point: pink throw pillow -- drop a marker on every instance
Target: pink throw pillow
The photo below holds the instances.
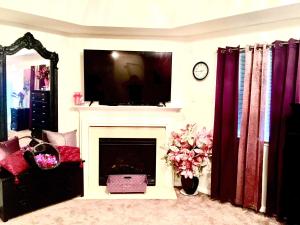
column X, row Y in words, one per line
column 60, row 139
column 15, row 163
column 9, row 147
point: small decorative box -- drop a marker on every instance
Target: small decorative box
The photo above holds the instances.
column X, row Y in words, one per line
column 127, row 183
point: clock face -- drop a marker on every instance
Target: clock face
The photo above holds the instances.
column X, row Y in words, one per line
column 200, row 70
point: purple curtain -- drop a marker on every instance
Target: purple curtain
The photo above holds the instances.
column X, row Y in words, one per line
column 285, row 90
column 224, row 157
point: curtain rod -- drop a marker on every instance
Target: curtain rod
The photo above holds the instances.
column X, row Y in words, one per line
column 259, row 46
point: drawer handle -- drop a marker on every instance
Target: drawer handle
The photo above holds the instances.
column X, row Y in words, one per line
column 22, row 188
column 24, row 203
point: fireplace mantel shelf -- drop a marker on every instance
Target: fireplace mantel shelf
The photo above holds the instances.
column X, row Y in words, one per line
column 127, row 108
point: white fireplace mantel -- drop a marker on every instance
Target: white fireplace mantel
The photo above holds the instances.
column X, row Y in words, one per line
column 126, row 121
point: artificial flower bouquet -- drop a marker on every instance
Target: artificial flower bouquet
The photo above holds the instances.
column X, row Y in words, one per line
column 43, row 155
column 189, row 150
column 46, row 161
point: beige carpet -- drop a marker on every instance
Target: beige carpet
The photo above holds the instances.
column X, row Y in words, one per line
column 185, row 210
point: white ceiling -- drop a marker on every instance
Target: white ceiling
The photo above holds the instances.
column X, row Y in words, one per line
column 174, row 18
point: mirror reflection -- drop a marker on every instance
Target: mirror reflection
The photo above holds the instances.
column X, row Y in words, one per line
column 28, row 77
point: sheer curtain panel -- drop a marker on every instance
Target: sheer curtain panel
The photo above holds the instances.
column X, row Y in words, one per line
column 251, row 144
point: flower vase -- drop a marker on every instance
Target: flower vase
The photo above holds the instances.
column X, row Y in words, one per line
column 189, row 185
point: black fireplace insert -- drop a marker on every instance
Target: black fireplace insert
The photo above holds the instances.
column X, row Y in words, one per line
column 127, row 156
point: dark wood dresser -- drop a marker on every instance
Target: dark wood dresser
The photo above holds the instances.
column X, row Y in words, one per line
column 19, row 119
column 40, row 106
column 39, row 188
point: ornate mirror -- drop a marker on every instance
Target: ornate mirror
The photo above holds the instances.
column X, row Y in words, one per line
column 39, row 82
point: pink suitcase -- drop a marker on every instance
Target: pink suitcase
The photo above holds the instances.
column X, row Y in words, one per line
column 127, row 183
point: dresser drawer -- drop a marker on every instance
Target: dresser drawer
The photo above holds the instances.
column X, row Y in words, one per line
column 37, row 123
column 41, row 96
column 14, row 112
column 14, row 117
column 22, row 191
column 14, row 125
column 24, row 205
column 40, row 106
column 40, row 114
column 24, row 196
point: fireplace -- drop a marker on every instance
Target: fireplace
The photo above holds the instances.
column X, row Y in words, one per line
column 127, row 156
column 132, row 122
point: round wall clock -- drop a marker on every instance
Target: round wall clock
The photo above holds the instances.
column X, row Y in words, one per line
column 200, row 70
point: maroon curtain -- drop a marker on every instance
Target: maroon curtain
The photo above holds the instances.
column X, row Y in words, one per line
column 285, row 71
column 224, row 155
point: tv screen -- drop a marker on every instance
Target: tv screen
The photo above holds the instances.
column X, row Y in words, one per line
column 114, row 77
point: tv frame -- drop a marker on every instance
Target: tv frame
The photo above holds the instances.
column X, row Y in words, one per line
column 151, row 101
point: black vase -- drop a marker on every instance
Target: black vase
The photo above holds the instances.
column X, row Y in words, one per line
column 189, row 185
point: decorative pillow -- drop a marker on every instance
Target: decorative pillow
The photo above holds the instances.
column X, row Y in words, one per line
column 8, row 147
column 69, row 154
column 66, row 139
column 15, row 163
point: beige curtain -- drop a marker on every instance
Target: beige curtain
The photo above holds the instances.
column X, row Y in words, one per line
column 250, row 152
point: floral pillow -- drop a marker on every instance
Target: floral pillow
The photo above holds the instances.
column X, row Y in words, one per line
column 8, row 147
column 60, row 139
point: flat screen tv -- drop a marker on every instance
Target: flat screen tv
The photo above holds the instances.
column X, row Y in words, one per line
column 114, row 77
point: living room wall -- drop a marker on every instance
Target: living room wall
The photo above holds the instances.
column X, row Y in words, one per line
column 195, row 97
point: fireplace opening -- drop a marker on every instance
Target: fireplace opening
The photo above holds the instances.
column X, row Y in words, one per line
column 127, row 156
